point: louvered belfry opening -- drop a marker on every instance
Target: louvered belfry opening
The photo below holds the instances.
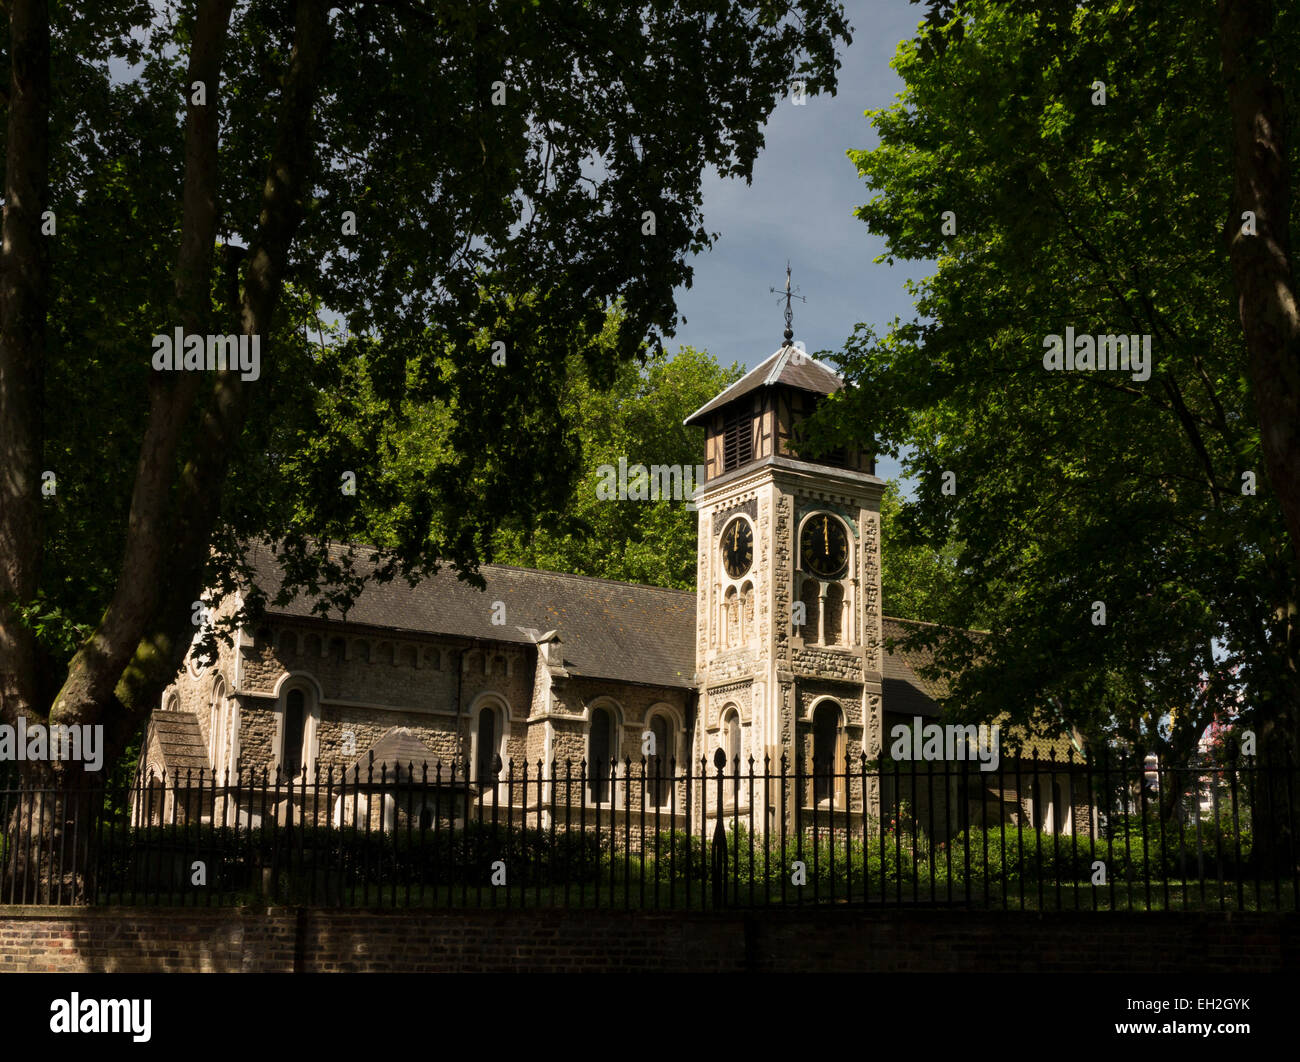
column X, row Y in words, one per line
column 737, row 439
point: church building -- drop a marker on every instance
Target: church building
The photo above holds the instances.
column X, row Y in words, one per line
column 613, row 690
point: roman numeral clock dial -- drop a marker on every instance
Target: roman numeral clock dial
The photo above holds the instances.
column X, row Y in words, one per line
column 737, row 548
column 824, row 547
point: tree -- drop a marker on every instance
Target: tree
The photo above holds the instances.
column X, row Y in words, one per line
column 1122, row 533
column 1253, row 38
column 465, row 187
column 917, row 576
column 637, row 420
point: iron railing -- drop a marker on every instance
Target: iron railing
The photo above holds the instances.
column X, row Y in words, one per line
column 1032, row 835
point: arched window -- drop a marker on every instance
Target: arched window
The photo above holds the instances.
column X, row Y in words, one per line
column 228, row 754
column 294, row 750
column 223, row 763
column 486, row 745
column 746, row 613
column 659, row 767
column 600, row 749
column 155, row 802
column 731, row 617
column 834, row 610
column 810, row 595
column 489, row 722
column 731, row 743
column 293, row 732
column 216, row 701
column 828, row 752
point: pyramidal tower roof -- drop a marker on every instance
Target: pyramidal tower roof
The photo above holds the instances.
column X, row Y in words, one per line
column 788, row 367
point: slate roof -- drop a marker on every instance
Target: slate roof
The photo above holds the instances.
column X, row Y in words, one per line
column 622, row 631
column 397, row 757
column 789, row 367
column 179, row 741
column 902, row 688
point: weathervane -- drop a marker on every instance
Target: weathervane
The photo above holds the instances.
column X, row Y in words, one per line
column 789, row 310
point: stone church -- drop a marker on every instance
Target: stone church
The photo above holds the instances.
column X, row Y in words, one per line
column 780, row 652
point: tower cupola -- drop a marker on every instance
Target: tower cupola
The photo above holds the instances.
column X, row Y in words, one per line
column 758, row 416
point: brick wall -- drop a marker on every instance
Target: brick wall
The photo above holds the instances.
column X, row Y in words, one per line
column 287, row 939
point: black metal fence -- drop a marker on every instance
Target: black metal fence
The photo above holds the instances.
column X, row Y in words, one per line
column 1031, row 835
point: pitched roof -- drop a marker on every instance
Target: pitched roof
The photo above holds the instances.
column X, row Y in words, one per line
column 179, row 741
column 624, row 632
column 396, row 757
column 789, row 367
column 610, row 630
column 903, row 689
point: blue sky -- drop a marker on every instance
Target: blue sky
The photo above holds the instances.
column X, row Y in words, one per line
column 800, row 207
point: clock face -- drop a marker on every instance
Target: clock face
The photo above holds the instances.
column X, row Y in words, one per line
column 737, row 547
column 824, row 546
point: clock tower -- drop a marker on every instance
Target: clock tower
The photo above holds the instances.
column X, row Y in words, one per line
column 788, row 622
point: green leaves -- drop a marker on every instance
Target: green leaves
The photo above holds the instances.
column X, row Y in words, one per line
column 477, row 183
column 56, row 632
column 637, row 418
column 1072, row 487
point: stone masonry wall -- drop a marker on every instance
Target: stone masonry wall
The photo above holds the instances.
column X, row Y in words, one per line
column 371, row 684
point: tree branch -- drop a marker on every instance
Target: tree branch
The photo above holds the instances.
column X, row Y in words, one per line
column 158, row 654
column 96, row 667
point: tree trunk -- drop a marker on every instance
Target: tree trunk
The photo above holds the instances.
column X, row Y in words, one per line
column 145, row 571
column 1266, row 301
column 1261, row 263
column 50, row 823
